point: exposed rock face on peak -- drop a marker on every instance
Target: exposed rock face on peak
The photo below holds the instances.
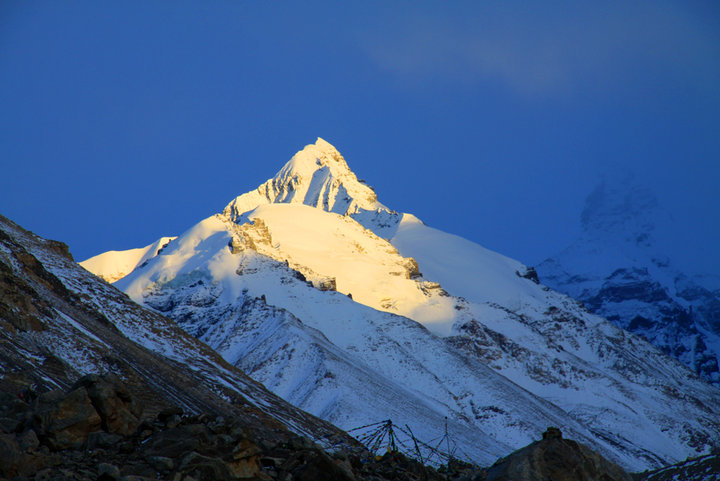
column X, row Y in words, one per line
column 318, row 176
column 620, row 271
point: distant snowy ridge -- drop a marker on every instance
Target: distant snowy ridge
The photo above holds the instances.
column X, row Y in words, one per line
column 357, row 313
column 620, row 270
column 114, row 265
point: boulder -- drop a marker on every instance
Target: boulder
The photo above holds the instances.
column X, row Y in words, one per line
column 11, row 457
column 557, row 459
column 64, row 420
column 118, row 411
column 204, row 468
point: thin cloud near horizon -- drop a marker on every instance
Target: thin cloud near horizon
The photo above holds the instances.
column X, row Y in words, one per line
column 543, row 51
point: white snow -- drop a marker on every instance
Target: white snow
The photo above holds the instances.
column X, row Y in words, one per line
column 114, row 265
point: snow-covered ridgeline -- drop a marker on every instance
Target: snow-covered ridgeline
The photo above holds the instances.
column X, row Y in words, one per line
column 114, row 265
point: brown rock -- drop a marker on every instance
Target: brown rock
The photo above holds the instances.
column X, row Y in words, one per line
column 11, row 458
column 8, row 425
column 108, row 472
column 161, row 464
column 556, row 459
column 174, row 442
column 204, row 468
column 28, row 441
column 117, row 409
column 64, row 421
column 552, row 433
column 101, row 440
column 245, row 461
column 321, row 467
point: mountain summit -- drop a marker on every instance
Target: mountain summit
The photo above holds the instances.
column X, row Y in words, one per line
column 621, row 210
column 357, row 314
column 318, row 176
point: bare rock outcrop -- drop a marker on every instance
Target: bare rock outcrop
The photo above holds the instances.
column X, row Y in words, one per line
column 558, row 459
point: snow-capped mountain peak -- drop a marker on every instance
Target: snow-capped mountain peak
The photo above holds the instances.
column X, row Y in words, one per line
column 621, row 209
column 621, row 270
column 317, row 176
column 394, row 319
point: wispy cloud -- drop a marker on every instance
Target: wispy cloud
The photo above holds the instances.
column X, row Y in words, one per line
column 546, row 48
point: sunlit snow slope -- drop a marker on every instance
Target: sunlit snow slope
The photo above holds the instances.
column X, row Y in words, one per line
column 114, row 265
column 357, row 313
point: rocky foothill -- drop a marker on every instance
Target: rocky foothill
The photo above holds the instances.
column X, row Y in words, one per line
column 96, row 431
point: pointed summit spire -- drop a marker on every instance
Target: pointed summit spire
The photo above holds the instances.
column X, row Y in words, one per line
column 317, row 176
column 623, row 209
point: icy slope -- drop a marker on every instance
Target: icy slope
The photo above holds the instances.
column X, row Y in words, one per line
column 619, row 385
column 619, row 270
column 271, row 264
column 340, row 360
column 114, row 265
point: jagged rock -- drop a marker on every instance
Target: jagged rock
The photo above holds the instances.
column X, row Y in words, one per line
column 703, row 468
column 555, row 459
column 117, row 409
column 161, row 463
column 412, row 268
column 241, row 241
column 108, row 472
column 326, row 284
column 59, row 248
column 9, row 425
column 170, row 417
column 204, row 468
column 174, row 442
column 530, row 273
column 321, row 467
column 64, row 420
column 28, row 441
column 11, row 457
column 552, row 433
column 102, row 440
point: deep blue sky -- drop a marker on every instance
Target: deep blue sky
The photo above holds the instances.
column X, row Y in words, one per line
column 121, row 122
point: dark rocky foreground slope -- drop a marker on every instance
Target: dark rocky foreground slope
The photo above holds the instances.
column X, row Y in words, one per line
column 95, row 431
